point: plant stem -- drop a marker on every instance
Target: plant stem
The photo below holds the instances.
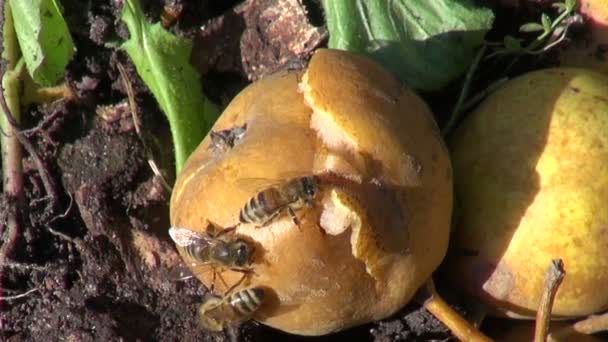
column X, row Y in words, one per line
column 464, row 93
column 12, row 175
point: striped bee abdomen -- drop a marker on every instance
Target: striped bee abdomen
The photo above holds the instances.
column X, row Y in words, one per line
column 262, row 207
column 247, row 301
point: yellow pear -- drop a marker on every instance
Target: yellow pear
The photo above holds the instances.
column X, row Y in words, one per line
column 531, row 177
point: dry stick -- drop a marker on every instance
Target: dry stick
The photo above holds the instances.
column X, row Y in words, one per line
column 460, row 327
column 131, row 98
column 553, row 278
column 137, row 124
column 588, row 326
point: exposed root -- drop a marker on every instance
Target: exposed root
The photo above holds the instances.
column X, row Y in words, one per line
column 61, row 235
column 25, row 294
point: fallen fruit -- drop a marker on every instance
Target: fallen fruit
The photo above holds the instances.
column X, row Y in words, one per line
column 379, row 224
column 531, row 176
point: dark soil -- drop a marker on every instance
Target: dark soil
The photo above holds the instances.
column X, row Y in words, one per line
column 95, row 261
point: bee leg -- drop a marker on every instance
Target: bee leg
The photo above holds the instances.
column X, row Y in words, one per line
column 226, row 231
column 213, row 228
column 223, row 281
column 212, row 289
column 235, row 285
column 294, row 217
column 269, row 219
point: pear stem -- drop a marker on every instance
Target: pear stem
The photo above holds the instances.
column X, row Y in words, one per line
column 553, row 278
column 460, row 327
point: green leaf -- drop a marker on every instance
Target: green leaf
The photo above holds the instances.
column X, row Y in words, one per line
column 44, row 38
column 163, row 62
column 546, row 20
column 426, row 44
column 512, row 44
column 570, row 5
column 561, row 7
column 531, row 27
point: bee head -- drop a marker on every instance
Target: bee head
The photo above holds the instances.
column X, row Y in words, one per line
column 242, row 253
column 310, row 186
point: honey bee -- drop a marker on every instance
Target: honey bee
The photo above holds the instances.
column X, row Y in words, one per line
column 216, row 249
column 289, row 196
column 217, row 313
column 226, row 139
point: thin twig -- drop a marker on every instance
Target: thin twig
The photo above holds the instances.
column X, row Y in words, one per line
column 464, row 92
column 131, row 98
column 27, row 293
column 553, row 278
column 158, row 174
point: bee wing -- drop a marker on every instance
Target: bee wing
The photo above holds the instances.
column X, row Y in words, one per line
column 184, row 237
column 253, row 184
column 180, row 272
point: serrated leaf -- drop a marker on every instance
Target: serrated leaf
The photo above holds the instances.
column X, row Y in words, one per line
column 44, row 39
column 531, row 27
column 546, row 21
column 163, row 61
column 512, row 44
column 426, row 44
